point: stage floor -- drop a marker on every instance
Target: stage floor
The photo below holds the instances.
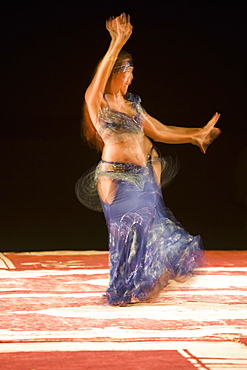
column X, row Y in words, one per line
column 51, row 317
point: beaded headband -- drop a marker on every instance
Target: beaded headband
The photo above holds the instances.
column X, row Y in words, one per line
column 123, row 67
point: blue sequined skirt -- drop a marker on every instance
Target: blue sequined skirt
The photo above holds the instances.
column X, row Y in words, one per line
column 148, row 247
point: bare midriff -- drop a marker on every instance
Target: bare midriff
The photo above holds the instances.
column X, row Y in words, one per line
column 132, row 151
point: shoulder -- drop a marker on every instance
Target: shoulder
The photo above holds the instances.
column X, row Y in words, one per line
column 136, row 102
column 133, row 98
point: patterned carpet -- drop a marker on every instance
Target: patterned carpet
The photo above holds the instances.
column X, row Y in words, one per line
column 51, row 318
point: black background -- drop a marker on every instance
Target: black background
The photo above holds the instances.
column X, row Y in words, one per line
column 190, row 61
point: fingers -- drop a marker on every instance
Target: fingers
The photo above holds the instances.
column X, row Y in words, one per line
column 124, row 18
column 209, row 133
column 121, row 19
column 216, row 116
column 213, row 120
column 120, row 26
column 109, row 22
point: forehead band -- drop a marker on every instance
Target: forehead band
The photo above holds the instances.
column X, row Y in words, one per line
column 123, row 67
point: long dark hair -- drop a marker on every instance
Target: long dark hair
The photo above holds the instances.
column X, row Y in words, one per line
column 88, row 130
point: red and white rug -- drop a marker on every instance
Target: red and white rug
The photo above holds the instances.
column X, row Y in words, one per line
column 51, row 319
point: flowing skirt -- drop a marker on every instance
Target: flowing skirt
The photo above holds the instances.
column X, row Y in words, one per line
column 148, row 247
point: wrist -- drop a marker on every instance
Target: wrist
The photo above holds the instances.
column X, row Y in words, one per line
column 117, row 43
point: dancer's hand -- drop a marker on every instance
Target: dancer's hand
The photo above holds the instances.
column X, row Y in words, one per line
column 208, row 133
column 119, row 28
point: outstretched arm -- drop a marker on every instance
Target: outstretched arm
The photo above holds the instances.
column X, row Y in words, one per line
column 120, row 30
column 202, row 137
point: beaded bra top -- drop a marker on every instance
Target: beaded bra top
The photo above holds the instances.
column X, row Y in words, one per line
column 118, row 126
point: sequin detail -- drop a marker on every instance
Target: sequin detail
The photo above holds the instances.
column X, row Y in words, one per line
column 115, row 126
column 86, row 187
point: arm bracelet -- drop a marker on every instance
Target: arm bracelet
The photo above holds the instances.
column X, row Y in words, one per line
column 112, row 57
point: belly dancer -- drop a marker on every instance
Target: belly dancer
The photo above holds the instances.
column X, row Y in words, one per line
column 148, row 247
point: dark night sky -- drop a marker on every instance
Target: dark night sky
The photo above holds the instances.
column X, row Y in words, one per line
column 190, row 61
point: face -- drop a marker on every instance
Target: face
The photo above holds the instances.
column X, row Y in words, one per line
column 121, row 80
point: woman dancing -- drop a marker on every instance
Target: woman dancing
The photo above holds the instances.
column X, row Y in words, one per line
column 147, row 245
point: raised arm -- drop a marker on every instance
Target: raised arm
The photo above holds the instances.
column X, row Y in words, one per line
column 201, row 137
column 120, row 30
